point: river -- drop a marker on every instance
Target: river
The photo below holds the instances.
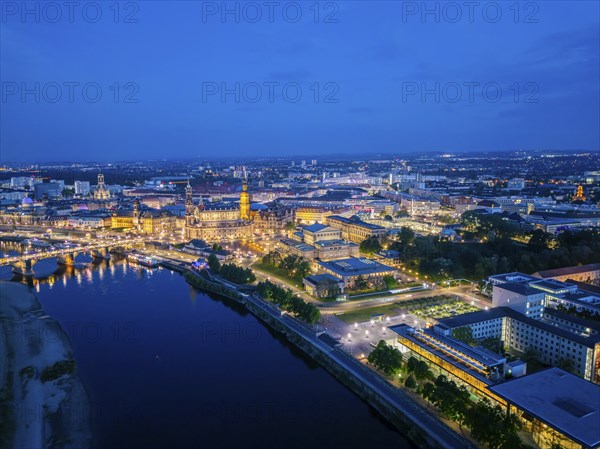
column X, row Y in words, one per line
column 170, row 367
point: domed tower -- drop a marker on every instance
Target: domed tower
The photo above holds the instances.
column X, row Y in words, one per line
column 245, row 202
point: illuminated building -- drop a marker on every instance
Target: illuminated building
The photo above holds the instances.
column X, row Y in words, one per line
column 217, row 221
column 554, row 337
column 476, row 367
column 147, row 221
column 558, row 408
column 582, row 273
column 272, row 218
column 101, row 192
column 323, row 285
column 318, row 241
column 579, row 194
column 311, row 215
column 351, row 269
column 353, row 229
column 245, row 202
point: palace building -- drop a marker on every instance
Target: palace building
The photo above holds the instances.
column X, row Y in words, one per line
column 148, row 221
column 218, row 221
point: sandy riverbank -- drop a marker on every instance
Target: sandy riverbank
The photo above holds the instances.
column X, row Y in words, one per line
column 42, row 401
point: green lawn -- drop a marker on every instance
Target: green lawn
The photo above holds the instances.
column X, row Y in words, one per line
column 278, row 273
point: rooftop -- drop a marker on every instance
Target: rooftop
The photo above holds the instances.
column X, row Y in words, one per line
column 501, row 312
column 567, row 271
column 519, row 288
column 515, row 276
column 353, row 220
column 478, row 361
column 559, row 399
column 321, row 279
column 315, row 227
column 354, row 266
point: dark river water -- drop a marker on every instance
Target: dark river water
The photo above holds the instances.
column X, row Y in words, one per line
column 169, row 367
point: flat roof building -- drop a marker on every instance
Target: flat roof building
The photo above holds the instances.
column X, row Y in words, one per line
column 348, row 270
column 556, row 406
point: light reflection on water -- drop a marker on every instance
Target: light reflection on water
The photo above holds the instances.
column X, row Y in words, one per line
column 168, row 366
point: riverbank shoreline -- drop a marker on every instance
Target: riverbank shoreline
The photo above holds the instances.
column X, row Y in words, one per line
column 44, row 404
column 409, row 426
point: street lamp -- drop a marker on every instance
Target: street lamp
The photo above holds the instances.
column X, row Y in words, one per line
column 355, row 325
column 367, row 333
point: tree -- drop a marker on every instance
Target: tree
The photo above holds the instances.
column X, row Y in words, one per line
column 538, row 241
column 213, row 263
column 410, row 382
column 422, row 371
column 272, row 258
column 402, row 213
column 360, row 283
column 290, row 226
column 490, row 425
column 419, row 368
column 386, row 358
column 390, row 282
column 68, row 193
column 406, row 235
column 370, row 245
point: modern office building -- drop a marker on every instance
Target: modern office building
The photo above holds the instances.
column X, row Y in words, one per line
column 530, row 295
column 82, row 188
column 555, row 337
column 558, row 408
column 476, row 367
column 47, row 189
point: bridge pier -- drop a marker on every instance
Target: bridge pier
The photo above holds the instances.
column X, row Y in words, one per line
column 66, row 259
column 23, row 267
column 101, row 253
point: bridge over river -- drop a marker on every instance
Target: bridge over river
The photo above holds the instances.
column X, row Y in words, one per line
column 65, row 255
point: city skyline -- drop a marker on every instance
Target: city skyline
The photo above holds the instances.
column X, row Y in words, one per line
column 374, row 78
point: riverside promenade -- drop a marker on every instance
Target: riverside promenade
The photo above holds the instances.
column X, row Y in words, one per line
column 407, row 415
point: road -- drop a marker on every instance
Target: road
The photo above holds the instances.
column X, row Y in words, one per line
column 437, row 430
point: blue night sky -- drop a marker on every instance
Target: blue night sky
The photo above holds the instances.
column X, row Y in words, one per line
column 374, row 61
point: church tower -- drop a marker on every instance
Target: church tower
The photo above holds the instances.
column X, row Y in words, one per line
column 245, row 202
column 189, row 204
column 136, row 213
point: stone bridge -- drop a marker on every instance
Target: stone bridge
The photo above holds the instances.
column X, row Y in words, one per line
column 23, row 263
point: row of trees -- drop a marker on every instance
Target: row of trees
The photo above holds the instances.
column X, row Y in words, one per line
column 230, row 271
column 289, row 302
column 488, row 423
column 441, row 259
